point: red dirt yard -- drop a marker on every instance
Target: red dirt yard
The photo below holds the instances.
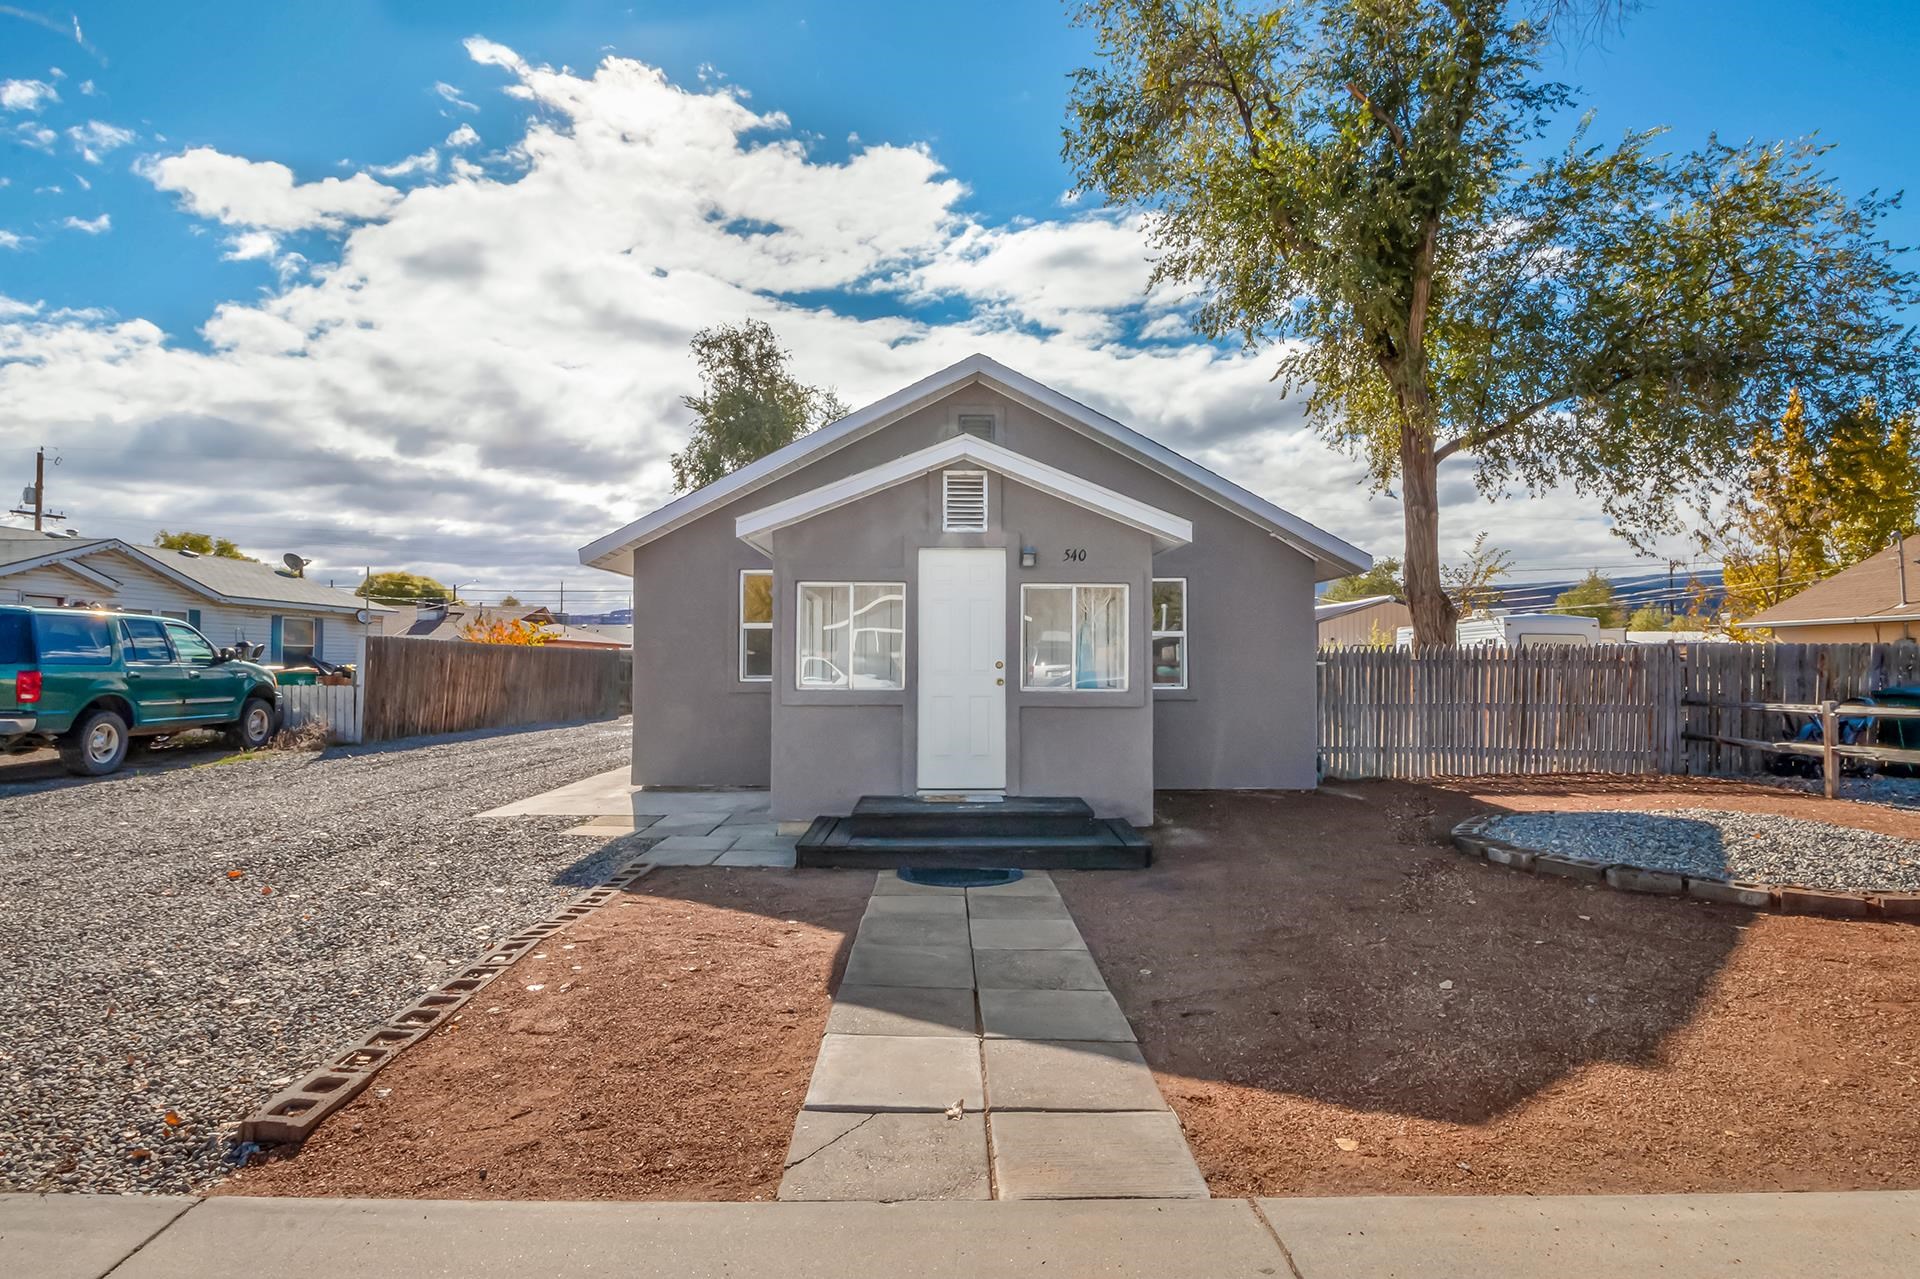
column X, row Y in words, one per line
column 1336, row 1002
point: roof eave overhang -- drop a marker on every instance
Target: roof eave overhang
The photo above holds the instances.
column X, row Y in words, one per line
column 1167, row 530
column 1878, row 619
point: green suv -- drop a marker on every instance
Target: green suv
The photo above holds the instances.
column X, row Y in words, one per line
column 96, row 684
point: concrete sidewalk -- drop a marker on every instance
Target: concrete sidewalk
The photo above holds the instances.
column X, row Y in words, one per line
column 1858, row 1236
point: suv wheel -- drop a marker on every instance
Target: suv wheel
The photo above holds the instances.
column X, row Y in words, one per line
column 96, row 746
column 255, row 726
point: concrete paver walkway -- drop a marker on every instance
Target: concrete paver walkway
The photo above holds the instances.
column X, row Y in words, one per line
column 1806, row 1236
column 696, row 827
column 974, row 1052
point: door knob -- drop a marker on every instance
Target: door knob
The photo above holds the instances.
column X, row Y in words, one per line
column 999, row 666
column 999, row 681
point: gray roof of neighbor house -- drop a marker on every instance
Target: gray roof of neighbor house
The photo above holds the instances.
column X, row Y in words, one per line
column 1335, row 557
column 1326, row 612
column 1867, row 592
column 228, row 580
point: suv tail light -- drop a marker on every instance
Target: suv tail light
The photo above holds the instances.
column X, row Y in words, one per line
column 26, row 686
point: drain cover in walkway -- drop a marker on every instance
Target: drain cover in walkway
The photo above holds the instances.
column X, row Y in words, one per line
column 945, row 877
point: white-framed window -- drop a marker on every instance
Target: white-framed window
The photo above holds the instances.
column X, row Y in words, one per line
column 298, row 640
column 1169, row 624
column 850, row 635
column 756, row 625
column 963, row 501
column 1074, row 638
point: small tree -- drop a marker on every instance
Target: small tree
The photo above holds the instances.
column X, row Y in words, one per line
column 749, row 404
column 510, row 601
column 1592, row 596
column 1470, row 583
column 1362, row 183
column 1649, row 617
column 506, row 630
column 404, row 587
column 200, row 544
column 1382, row 579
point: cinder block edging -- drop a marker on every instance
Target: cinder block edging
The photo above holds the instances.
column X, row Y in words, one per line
column 290, row 1116
column 1471, row 838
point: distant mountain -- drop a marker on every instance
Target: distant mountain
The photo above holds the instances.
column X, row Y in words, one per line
column 618, row 617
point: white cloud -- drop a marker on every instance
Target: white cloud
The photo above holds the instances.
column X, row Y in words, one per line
column 26, row 95
column 464, row 136
column 261, row 193
column 427, row 161
column 9, row 240
column 91, row 226
column 87, row 88
column 95, row 138
column 37, row 136
column 517, row 341
column 451, row 96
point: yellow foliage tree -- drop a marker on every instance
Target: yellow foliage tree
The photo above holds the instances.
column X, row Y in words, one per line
column 509, row 630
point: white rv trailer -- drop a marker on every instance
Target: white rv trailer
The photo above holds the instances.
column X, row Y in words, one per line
column 1518, row 630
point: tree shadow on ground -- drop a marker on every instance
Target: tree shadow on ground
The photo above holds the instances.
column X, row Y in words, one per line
column 1330, row 945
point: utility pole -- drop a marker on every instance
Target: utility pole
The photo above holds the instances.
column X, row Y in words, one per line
column 39, row 512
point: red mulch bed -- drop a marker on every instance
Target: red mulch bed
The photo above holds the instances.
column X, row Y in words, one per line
column 664, row 1057
column 1335, row 1002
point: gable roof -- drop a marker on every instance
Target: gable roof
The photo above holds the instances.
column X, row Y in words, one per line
column 1339, row 608
column 756, row 528
column 227, row 581
column 1867, row 592
column 1335, row 557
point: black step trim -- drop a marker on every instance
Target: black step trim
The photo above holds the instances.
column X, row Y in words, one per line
column 1110, row 844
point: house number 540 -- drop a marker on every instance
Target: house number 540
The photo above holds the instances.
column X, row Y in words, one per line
column 1075, row 553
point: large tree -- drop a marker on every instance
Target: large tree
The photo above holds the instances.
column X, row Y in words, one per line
column 1382, row 579
column 1366, row 182
column 749, row 403
column 409, row 587
column 200, row 544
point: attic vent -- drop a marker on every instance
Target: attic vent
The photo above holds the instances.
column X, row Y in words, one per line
column 980, row 424
column 964, row 501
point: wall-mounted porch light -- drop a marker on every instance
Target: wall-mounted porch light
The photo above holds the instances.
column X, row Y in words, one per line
column 1028, row 557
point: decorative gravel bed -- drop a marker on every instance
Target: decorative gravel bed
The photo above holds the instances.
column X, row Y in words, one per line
column 1895, row 792
column 1718, row 844
column 180, row 943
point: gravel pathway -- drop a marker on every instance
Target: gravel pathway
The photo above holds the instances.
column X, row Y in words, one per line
column 1713, row 843
column 180, row 943
column 1895, row 792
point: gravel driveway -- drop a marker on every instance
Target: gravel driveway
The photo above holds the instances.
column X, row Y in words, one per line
column 153, row 997
column 1762, row 848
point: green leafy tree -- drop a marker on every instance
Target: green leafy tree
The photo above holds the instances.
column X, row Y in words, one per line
column 749, row 404
column 1382, row 579
column 1591, row 597
column 510, row 601
column 404, row 587
column 1362, row 182
column 1649, row 617
column 200, row 544
column 1470, row 584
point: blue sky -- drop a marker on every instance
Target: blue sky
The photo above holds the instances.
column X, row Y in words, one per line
column 341, row 91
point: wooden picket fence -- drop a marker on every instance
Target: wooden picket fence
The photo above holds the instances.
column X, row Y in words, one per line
column 1611, row 708
column 416, row 687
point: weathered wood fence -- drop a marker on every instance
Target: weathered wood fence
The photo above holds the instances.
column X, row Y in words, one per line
column 337, row 704
column 1611, row 708
column 422, row 686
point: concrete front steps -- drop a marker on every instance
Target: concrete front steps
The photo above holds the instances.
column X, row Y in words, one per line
column 1028, row 832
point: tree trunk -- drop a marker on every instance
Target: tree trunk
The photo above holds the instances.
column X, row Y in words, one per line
column 1433, row 614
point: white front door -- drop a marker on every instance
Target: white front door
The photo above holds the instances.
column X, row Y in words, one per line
column 963, row 669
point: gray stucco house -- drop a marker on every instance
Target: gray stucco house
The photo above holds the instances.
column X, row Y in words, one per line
column 973, row 585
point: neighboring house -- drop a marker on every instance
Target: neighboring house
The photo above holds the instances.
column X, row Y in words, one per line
column 452, row 622
column 1875, row 601
column 1362, row 622
column 975, row 584
column 229, row 601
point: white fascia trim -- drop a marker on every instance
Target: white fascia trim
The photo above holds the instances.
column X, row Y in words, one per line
column 756, row 528
column 1334, row 557
column 67, row 561
column 1878, row 619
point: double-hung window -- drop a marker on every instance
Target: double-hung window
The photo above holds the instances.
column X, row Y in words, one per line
column 756, row 625
column 1169, row 632
column 851, row 635
column 299, row 640
column 1073, row 638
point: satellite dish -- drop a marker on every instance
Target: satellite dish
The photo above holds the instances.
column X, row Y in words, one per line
column 295, row 563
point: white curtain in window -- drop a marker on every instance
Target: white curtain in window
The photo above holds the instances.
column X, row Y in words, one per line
column 1100, row 637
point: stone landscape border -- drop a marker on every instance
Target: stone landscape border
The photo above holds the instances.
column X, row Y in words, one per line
column 1472, row 837
column 289, row 1117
